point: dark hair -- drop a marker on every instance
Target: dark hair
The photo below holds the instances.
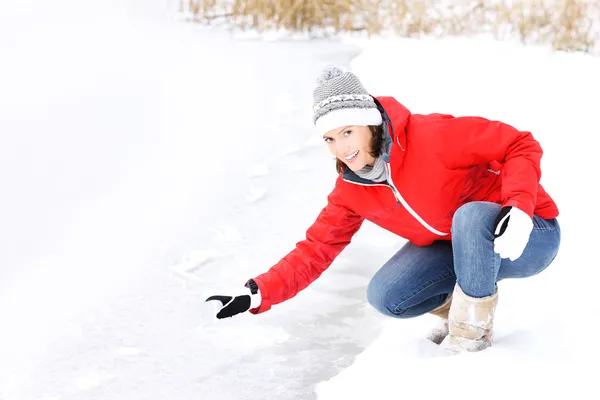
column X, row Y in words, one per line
column 376, row 144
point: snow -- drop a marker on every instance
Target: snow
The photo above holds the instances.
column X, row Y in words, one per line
column 147, row 163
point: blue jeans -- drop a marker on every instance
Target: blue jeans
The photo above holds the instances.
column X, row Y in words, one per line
column 417, row 280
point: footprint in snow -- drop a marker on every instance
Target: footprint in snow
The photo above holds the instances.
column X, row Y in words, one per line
column 195, row 260
column 228, row 234
column 255, row 194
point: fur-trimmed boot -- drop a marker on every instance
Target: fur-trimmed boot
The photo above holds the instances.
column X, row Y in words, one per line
column 439, row 333
column 470, row 322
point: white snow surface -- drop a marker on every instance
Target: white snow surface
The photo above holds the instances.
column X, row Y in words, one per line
column 147, row 163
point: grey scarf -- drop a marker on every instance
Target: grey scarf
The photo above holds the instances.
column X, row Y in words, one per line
column 375, row 173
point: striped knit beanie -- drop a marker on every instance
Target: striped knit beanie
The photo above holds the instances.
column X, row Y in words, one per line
column 340, row 100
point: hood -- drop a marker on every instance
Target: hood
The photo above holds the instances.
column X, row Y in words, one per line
column 395, row 118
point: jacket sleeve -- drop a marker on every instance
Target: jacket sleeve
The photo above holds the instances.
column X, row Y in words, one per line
column 325, row 239
column 468, row 141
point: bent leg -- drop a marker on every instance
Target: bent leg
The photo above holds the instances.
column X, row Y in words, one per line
column 478, row 267
column 415, row 281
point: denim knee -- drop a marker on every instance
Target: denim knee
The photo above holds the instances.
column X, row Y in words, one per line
column 384, row 300
column 380, row 298
column 375, row 297
column 471, row 217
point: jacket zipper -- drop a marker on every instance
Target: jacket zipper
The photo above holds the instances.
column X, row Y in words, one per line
column 412, row 212
column 401, row 202
column 393, row 189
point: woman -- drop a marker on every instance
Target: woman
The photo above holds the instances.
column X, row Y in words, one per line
column 464, row 192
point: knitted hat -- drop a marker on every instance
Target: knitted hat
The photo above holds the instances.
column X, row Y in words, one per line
column 340, row 99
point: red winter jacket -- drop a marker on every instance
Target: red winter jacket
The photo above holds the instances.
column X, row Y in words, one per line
column 437, row 163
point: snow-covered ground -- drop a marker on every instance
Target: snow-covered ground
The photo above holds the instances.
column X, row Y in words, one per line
column 147, row 163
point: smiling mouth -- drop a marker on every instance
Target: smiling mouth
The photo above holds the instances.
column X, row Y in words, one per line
column 351, row 156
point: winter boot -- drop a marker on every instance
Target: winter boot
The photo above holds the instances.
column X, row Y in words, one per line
column 470, row 322
column 439, row 333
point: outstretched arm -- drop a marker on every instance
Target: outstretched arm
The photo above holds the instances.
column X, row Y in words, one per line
column 331, row 232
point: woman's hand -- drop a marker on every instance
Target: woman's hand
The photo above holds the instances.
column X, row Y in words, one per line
column 229, row 306
column 512, row 230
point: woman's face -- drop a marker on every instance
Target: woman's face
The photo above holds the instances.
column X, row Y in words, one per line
column 352, row 145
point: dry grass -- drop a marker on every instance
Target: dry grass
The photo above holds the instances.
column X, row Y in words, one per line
column 572, row 25
column 292, row 15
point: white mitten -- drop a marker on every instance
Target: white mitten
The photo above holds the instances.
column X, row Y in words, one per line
column 512, row 230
